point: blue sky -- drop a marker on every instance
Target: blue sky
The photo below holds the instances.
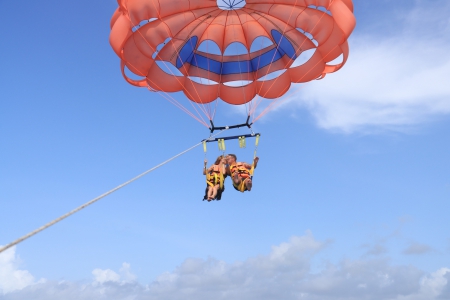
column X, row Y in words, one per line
column 350, row 197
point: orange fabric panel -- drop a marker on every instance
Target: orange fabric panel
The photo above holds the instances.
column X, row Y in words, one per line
column 273, row 67
column 215, row 33
column 120, row 32
column 244, row 16
column 312, row 69
column 197, row 72
column 330, row 49
column 252, row 30
column 299, row 41
column 136, row 62
column 198, row 4
column 324, row 3
column 213, row 11
column 161, row 81
column 237, row 95
column 177, row 22
column 233, row 34
column 286, row 13
column 343, row 16
column 196, row 27
column 138, row 83
column 318, row 23
column 290, row 2
column 259, row 7
column 139, row 10
column 345, row 50
column 269, row 22
column 171, row 7
column 114, row 18
column 237, row 77
column 274, row 88
column 170, row 51
column 148, row 37
column 349, row 4
column 200, row 93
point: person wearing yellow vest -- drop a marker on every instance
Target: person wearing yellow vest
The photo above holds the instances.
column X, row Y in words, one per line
column 241, row 173
column 215, row 176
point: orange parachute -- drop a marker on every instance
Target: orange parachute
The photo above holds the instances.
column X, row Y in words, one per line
column 233, row 50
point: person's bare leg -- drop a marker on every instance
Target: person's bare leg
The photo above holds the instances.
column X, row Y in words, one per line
column 214, row 193
column 248, row 184
column 210, row 192
column 236, row 179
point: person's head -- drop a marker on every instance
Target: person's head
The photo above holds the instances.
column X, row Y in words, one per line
column 231, row 158
column 218, row 160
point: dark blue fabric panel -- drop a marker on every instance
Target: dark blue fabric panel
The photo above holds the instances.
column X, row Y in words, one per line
column 186, row 53
column 236, row 67
column 284, row 45
column 265, row 59
column 205, row 63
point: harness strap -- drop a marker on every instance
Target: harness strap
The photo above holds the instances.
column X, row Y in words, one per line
column 212, row 178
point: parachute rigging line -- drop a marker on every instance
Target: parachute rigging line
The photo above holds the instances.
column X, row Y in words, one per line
column 165, row 64
column 19, row 240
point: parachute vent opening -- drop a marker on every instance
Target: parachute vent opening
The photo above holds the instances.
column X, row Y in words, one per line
column 337, row 61
column 204, row 81
column 309, row 36
column 238, row 83
column 303, row 58
column 231, row 4
column 210, row 47
column 160, row 46
column 235, row 48
column 168, row 68
column 321, row 8
column 260, row 43
column 272, row 75
column 143, row 23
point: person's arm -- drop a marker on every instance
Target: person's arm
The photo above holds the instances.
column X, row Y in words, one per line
column 227, row 170
column 204, row 167
column 255, row 162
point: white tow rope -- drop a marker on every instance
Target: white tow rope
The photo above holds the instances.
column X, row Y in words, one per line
column 95, row 199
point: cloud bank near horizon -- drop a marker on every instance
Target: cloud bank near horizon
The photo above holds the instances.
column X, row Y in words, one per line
column 285, row 273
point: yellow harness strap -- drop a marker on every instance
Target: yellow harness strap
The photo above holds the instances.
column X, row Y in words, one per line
column 254, row 154
column 240, row 187
column 216, row 178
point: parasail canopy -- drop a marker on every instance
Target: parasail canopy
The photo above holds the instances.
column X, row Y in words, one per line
column 233, row 50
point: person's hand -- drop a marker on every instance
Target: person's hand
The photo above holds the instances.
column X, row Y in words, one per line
column 205, row 161
column 256, row 160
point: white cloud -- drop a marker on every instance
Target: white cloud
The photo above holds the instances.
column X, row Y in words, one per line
column 109, row 276
column 389, row 82
column 11, row 277
column 102, row 276
column 284, row 273
column 417, row 248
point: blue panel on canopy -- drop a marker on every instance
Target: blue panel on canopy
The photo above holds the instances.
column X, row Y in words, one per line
column 284, row 47
column 187, row 51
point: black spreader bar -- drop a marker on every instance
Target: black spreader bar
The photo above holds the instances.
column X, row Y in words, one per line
column 246, row 124
column 235, row 137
